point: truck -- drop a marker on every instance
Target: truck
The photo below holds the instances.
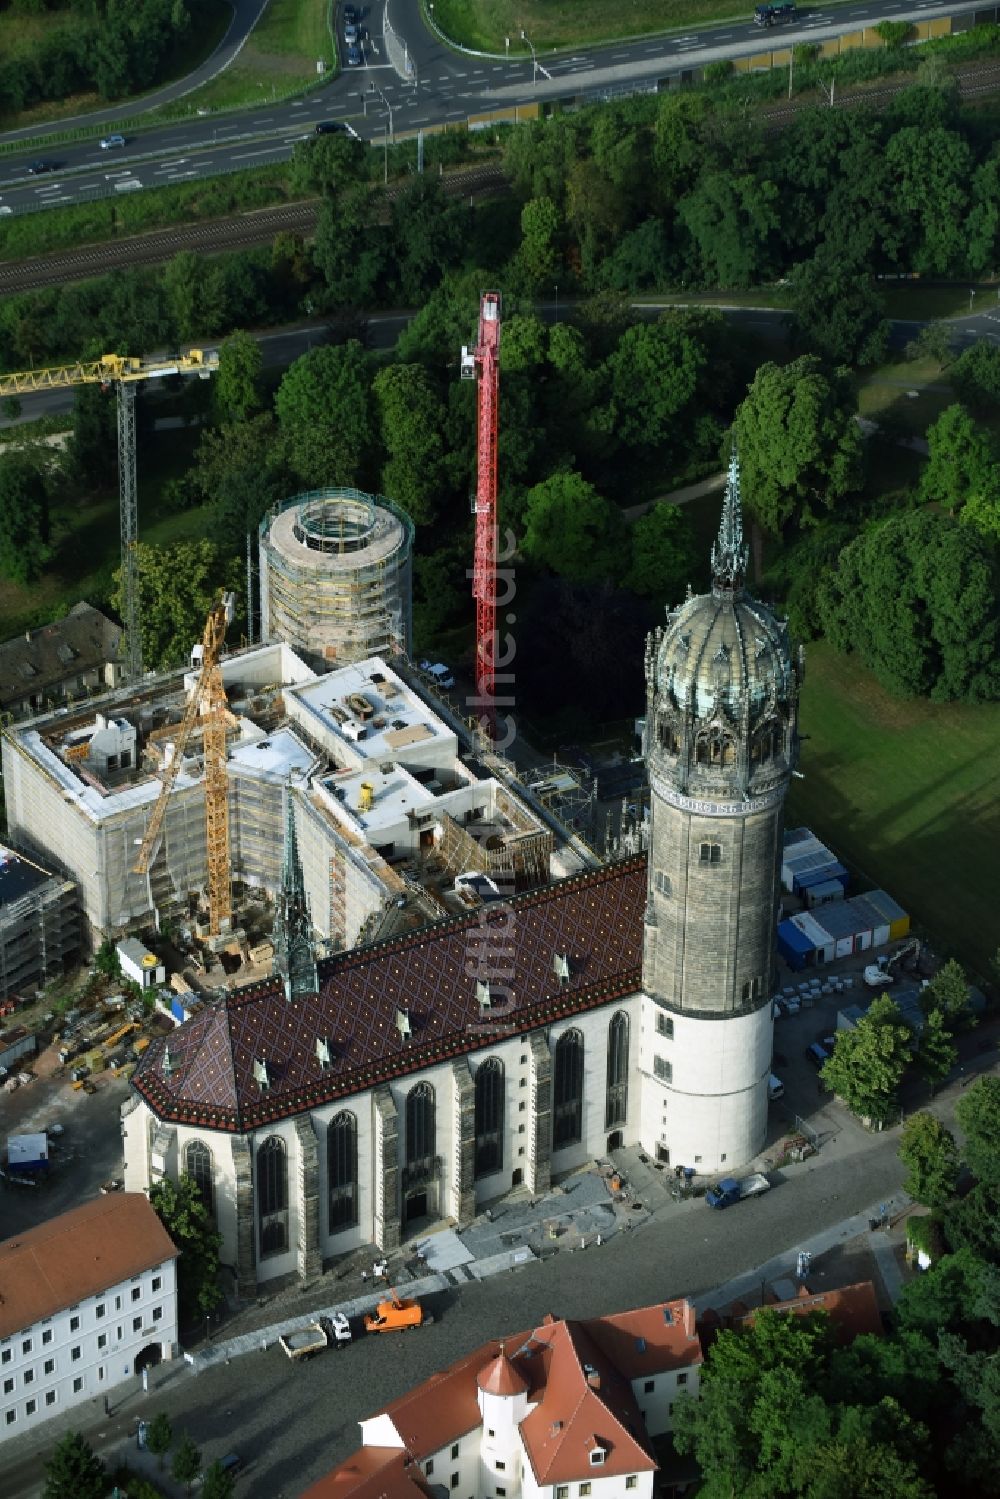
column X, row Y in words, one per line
column 302, row 1342
column 773, row 15
column 729, row 1190
column 397, row 1314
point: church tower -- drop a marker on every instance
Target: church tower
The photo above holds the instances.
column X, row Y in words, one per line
column 294, row 958
column 722, row 705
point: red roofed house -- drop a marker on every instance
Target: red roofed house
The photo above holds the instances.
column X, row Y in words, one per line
column 87, row 1300
column 566, row 1411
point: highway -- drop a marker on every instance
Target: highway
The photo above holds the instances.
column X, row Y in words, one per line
column 381, row 102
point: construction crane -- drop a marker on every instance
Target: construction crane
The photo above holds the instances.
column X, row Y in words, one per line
column 124, row 374
column 206, row 704
column 484, row 361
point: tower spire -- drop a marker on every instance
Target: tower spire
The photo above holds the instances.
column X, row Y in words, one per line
column 730, row 554
column 294, row 959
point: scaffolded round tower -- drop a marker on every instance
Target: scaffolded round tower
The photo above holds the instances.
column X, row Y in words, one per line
column 335, row 575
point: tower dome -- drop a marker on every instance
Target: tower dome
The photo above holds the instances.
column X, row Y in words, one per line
column 722, row 681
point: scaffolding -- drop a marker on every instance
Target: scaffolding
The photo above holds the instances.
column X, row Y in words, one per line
column 335, row 575
column 39, row 930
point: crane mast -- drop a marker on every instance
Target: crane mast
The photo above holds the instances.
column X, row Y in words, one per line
column 483, row 364
column 124, row 373
column 207, row 704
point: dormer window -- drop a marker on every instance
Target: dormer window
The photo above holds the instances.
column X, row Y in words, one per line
column 597, row 1456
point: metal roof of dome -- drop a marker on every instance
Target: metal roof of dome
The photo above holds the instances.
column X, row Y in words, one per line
column 724, row 649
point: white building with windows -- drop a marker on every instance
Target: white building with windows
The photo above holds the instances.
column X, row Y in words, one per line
column 564, row 1411
column 87, row 1300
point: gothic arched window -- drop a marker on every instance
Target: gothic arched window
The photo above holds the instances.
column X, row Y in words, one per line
column 198, row 1165
column 420, row 1127
column 272, row 1196
column 342, row 1170
column 616, row 1103
column 567, row 1090
column 489, row 1116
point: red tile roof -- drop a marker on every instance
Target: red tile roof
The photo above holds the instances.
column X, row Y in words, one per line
column 585, row 1402
column 651, row 1339
column 501, row 1378
column 446, row 1406
column 78, row 1254
column 373, row 1473
column 595, row 919
column 853, row 1310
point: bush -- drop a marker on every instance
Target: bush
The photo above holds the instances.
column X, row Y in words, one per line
column 894, row 33
column 718, row 72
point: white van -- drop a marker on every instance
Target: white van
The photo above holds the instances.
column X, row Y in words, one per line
column 775, row 1088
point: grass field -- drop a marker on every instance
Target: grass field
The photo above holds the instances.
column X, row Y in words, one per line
column 484, row 24
column 279, row 58
column 906, row 792
column 910, row 393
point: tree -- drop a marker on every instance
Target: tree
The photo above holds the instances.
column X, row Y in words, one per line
column 74, row 1471
column 324, row 411
column 930, row 169
column 799, row 443
column 177, row 587
column 11, row 408
column 24, row 519
column 731, row 220
column 937, row 1052
column 411, row 417
column 106, row 959
column 428, row 232
column 868, row 1062
column 573, row 530
column 948, row 993
column 839, row 312
column 757, row 1398
column 538, row 257
column 182, row 1211
column 237, row 380
column 961, row 463
column 240, row 469
column 654, row 371
column 218, row 1483
column 916, row 596
column 663, row 558
column 92, row 459
column 187, row 1462
column 978, row 1115
column 327, row 164
column 159, row 1435
column 351, row 249
column 930, row 1155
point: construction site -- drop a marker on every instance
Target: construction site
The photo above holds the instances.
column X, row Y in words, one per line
column 335, row 575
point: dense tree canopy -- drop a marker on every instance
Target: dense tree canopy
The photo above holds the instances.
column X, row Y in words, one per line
column 930, row 1155
column 916, row 597
column 324, row 410
column 573, row 530
column 24, row 519
column 181, row 1208
column 177, row 587
column 799, row 443
column 868, row 1061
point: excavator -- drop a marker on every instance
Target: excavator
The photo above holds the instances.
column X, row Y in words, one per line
column 882, row 973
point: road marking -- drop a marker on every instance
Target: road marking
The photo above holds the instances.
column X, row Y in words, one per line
column 456, row 114
column 124, row 172
column 67, row 199
column 171, row 166
column 176, row 176
column 268, row 151
column 298, row 104
column 54, row 187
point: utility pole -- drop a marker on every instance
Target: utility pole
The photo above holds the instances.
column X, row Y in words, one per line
column 534, row 59
column 791, row 69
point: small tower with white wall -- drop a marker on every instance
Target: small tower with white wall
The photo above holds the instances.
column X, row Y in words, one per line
column 722, row 708
column 503, row 1401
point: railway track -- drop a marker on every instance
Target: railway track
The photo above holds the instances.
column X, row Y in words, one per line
column 239, row 232
column 971, row 82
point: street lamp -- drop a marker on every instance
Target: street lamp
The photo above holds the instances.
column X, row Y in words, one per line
column 506, row 42
column 557, row 300
column 534, row 59
column 972, row 297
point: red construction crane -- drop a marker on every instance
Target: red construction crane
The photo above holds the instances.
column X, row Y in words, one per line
column 484, row 361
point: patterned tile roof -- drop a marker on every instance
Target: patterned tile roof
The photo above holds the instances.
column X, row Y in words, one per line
column 210, row 1077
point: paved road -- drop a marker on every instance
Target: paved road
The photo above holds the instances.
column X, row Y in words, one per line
column 447, row 87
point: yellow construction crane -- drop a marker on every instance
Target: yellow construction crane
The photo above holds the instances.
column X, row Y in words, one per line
column 207, row 704
column 124, row 374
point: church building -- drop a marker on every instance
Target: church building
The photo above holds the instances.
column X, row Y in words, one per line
column 334, row 1106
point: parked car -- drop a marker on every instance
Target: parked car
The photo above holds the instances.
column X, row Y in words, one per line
column 350, row 32
column 817, row 1054
column 112, row 142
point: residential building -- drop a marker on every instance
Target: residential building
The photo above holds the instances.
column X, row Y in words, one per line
column 87, row 1300
column 61, row 662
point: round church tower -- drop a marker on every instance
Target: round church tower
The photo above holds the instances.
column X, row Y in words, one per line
column 722, row 702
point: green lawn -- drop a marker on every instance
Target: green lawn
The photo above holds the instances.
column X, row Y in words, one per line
column 911, row 394
column 906, row 792
column 484, row 24
column 279, row 58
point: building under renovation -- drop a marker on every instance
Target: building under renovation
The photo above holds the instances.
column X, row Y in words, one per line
column 335, row 575
column 387, row 810
column 39, row 924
